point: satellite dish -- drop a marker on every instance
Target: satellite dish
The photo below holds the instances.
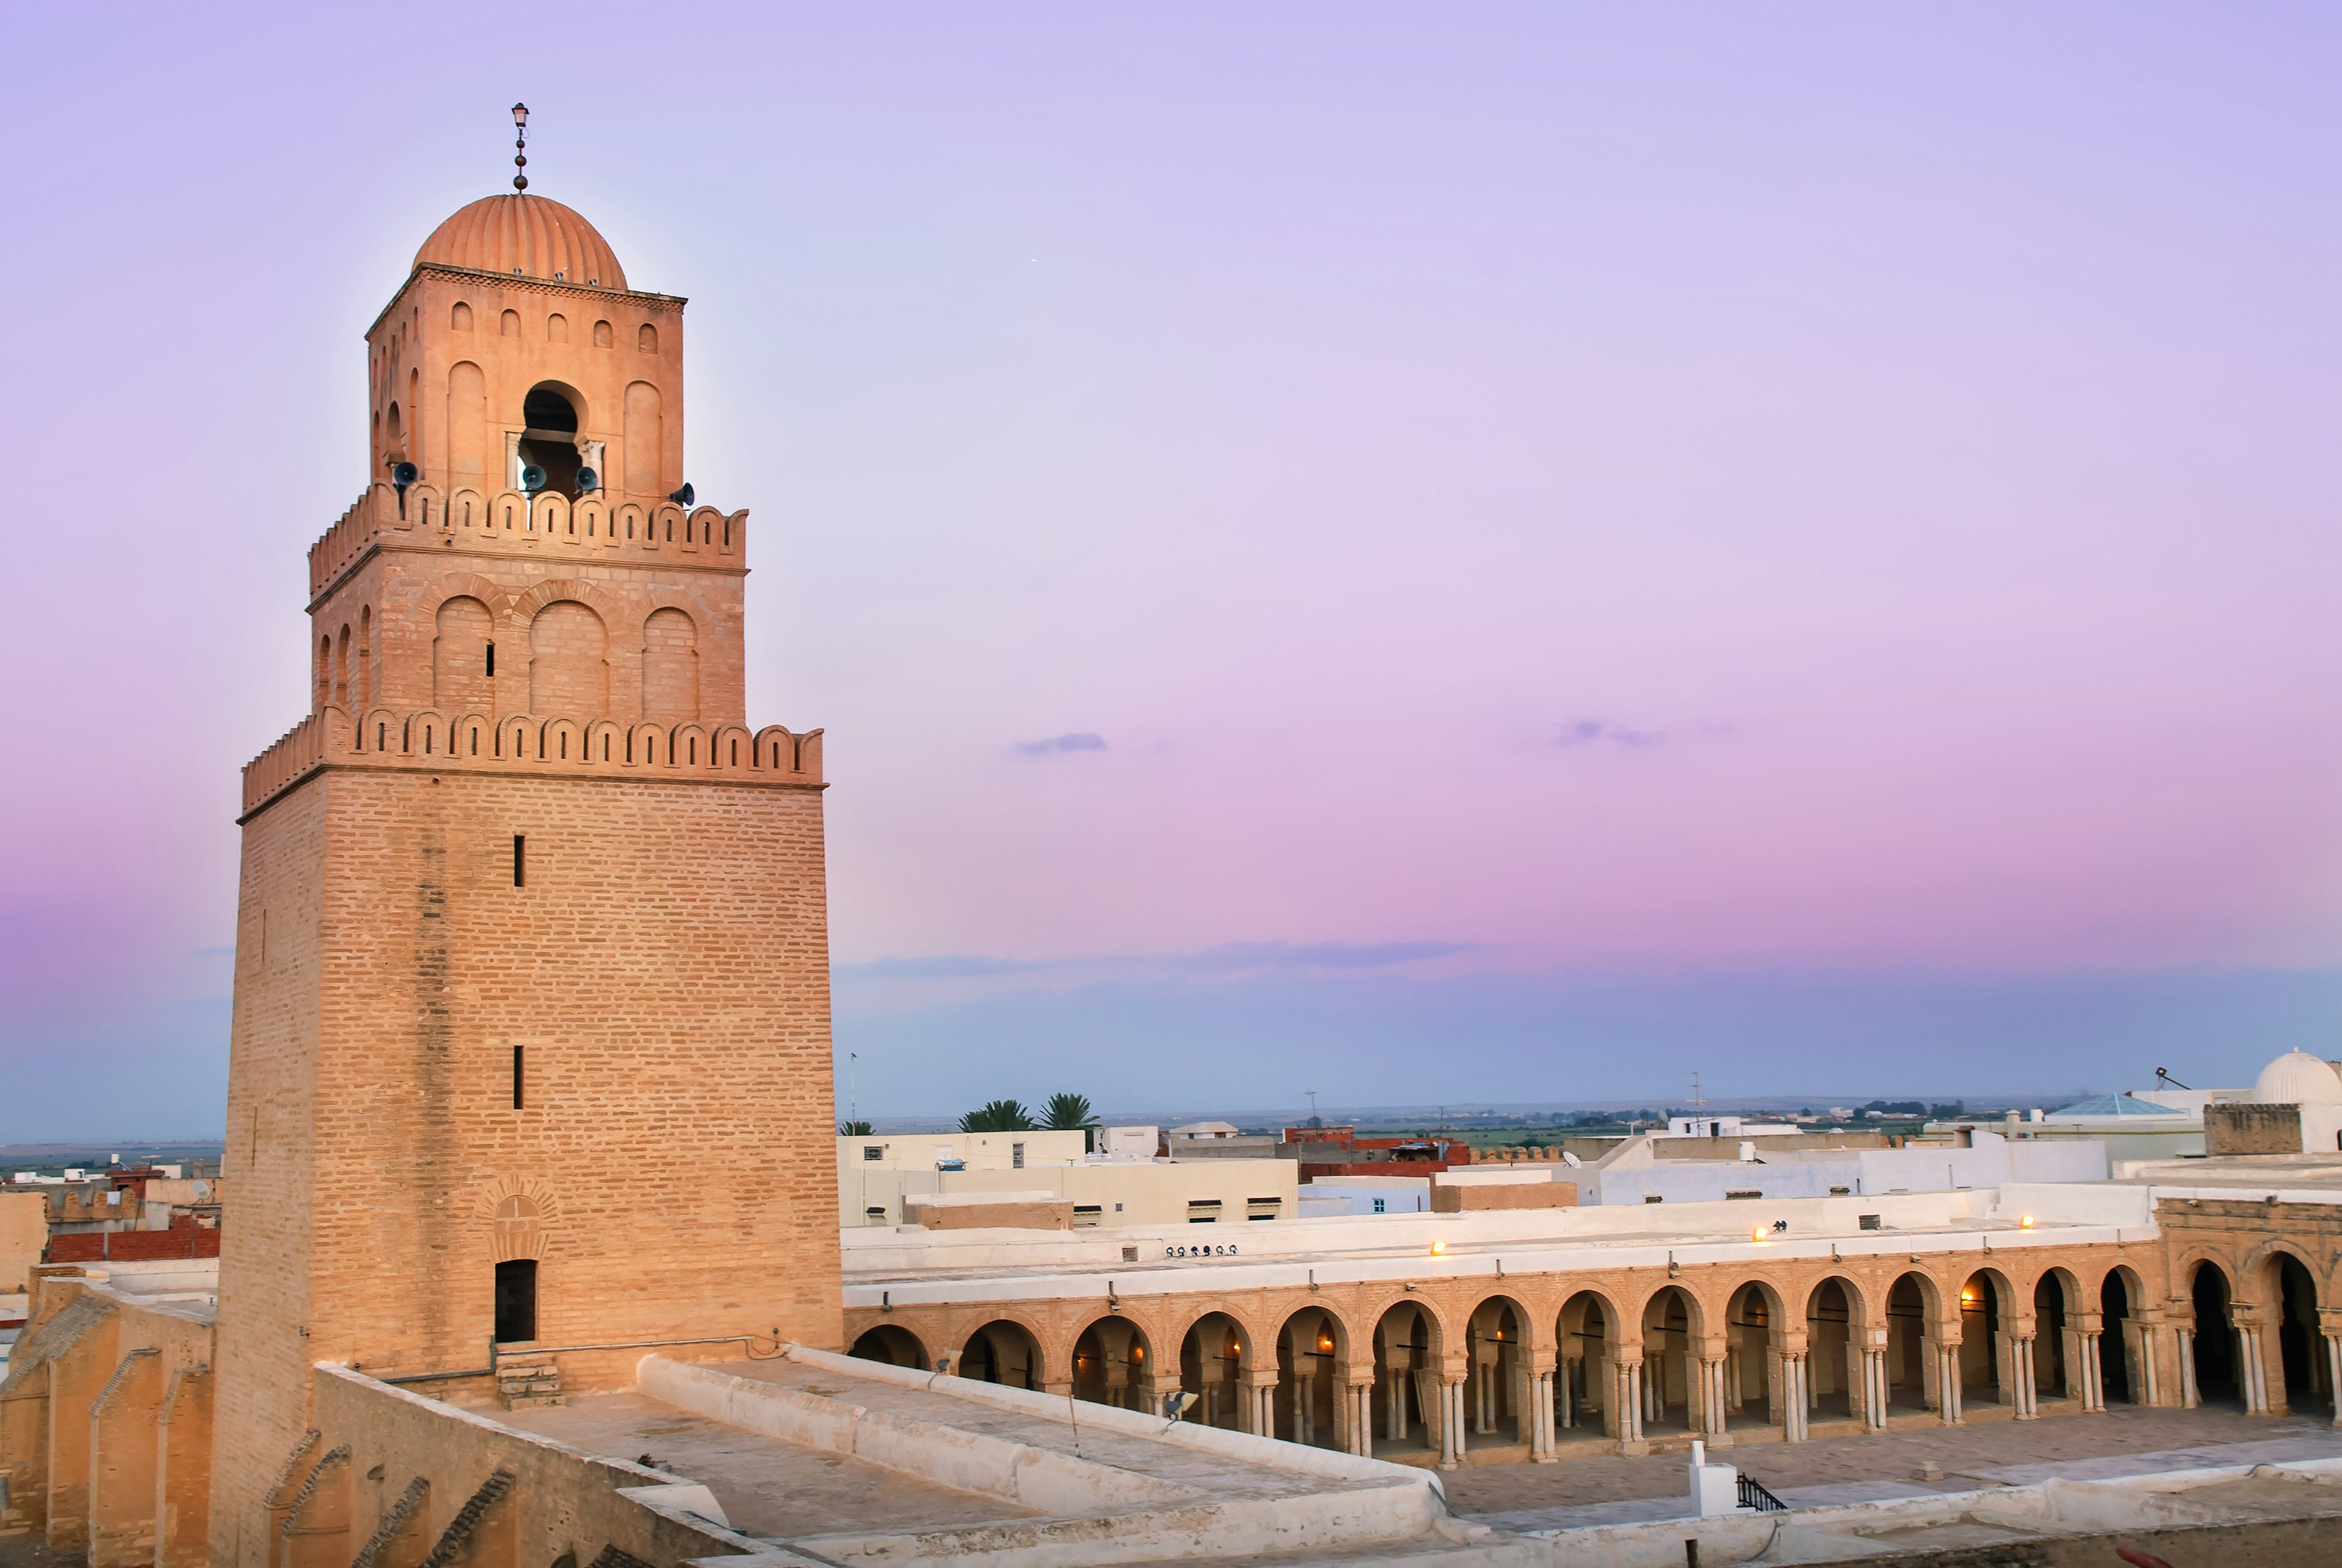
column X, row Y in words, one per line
column 1572, row 1160
column 589, row 480
column 684, row 497
column 403, row 474
column 532, row 478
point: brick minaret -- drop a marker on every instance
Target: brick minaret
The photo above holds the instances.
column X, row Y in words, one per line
column 531, row 1036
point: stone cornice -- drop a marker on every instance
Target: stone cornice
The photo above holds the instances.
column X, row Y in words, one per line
column 451, row 552
column 506, row 524
column 572, row 776
column 529, row 745
column 657, row 302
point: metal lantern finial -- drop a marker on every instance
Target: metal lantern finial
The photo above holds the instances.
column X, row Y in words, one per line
column 520, row 146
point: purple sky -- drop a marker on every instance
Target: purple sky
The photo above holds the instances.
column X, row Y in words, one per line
column 1798, row 544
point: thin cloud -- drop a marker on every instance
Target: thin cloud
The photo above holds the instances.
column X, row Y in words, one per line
column 1226, row 957
column 1572, row 733
column 945, row 967
column 1319, row 954
column 1080, row 742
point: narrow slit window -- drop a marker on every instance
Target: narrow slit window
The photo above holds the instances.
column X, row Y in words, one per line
column 518, row 1065
column 492, row 661
column 520, row 860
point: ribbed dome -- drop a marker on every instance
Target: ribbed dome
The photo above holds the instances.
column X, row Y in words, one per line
column 527, row 235
column 2297, row 1078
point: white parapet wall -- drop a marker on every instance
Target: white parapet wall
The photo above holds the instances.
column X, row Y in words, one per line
column 1091, row 1512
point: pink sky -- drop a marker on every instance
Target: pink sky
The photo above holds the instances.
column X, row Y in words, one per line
column 1822, row 492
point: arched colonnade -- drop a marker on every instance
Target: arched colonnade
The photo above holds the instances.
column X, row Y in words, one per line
column 1539, row 1363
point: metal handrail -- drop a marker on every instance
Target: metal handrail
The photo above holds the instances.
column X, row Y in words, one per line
column 1754, row 1495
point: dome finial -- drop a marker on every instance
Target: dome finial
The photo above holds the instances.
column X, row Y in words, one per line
column 520, row 146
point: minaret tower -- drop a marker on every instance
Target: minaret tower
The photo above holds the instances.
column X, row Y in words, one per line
column 531, row 1040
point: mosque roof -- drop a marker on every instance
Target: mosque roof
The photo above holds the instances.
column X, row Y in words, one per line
column 532, row 235
column 2116, row 1105
column 2297, row 1078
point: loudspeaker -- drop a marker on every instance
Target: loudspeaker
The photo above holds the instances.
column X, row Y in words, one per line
column 684, row 497
column 589, row 480
column 532, row 478
column 403, row 474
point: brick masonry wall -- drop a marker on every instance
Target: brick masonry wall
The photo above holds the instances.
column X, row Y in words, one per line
column 188, row 1241
column 664, row 971
column 575, row 638
column 2252, row 1129
column 262, row 1390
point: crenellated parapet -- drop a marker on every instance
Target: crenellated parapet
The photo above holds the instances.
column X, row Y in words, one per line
column 530, row 743
column 606, row 526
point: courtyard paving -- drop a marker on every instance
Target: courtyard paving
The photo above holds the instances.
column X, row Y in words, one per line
column 1610, row 1489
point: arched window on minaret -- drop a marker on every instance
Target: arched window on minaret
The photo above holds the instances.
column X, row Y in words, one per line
column 460, row 659
column 342, row 668
column 364, row 690
column 467, row 425
column 670, row 668
column 645, row 438
column 568, row 675
column 550, row 442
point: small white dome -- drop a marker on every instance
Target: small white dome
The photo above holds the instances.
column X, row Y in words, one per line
column 2297, row 1078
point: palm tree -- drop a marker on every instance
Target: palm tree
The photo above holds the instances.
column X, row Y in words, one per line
column 854, row 1130
column 998, row 1117
column 1071, row 1113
